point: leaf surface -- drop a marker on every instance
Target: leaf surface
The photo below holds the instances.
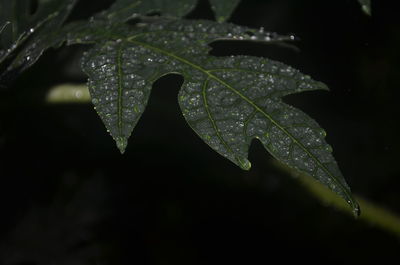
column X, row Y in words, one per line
column 227, row 101
column 124, row 10
column 223, row 9
column 34, row 32
column 366, row 6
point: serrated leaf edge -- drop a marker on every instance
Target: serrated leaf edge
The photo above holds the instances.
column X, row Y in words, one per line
column 350, row 200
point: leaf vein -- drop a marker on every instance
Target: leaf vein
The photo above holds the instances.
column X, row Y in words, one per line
column 217, row 131
column 274, row 122
column 119, row 106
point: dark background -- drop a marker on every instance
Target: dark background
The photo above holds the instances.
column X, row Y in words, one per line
column 68, row 197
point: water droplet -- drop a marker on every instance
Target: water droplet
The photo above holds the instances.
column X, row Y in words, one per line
column 322, row 132
column 328, row 148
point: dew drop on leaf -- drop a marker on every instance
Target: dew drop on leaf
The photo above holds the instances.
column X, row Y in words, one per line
column 227, row 101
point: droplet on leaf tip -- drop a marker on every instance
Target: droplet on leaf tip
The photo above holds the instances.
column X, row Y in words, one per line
column 244, row 163
column 221, row 19
column 322, row 132
column 121, row 142
column 329, row 148
column 355, row 209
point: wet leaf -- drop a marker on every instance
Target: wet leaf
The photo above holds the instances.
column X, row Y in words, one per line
column 227, row 101
column 15, row 13
column 118, row 86
column 41, row 29
column 2, row 27
column 366, row 6
column 223, row 8
column 124, row 10
column 33, row 32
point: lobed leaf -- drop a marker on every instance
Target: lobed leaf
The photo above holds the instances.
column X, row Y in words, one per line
column 227, row 101
column 119, row 87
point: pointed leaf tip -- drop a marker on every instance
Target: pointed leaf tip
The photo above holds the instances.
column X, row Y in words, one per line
column 118, row 88
column 244, row 164
column 223, row 9
column 355, row 208
column 365, row 6
column 121, row 144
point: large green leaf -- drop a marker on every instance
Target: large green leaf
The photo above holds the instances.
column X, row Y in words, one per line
column 223, row 8
column 228, row 101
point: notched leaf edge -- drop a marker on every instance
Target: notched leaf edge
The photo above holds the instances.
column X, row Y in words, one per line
column 228, row 101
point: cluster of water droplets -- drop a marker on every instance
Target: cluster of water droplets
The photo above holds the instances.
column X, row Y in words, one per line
column 242, row 101
column 195, row 36
column 119, row 92
column 258, row 35
column 228, row 101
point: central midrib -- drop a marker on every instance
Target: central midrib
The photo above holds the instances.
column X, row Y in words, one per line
column 210, row 75
column 213, row 123
column 119, row 106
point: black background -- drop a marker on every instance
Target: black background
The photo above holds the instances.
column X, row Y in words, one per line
column 68, row 197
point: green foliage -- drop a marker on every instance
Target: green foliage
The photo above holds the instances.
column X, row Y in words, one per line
column 366, row 6
column 123, row 10
column 223, row 9
column 25, row 36
column 227, row 101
